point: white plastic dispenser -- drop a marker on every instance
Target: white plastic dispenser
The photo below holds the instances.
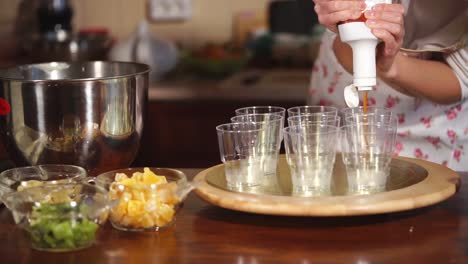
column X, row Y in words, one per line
column 363, row 44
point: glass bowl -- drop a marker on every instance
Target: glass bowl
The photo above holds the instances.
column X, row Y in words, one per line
column 60, row 217
column 149, row 198
column 25, row 177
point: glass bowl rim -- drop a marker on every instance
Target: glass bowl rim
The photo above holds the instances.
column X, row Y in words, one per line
column 6, row 173
column 178, row 176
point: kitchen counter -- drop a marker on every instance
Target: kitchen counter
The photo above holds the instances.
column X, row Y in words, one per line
column 184, row 111
column 280, row 85
column 288, row 85
column 207, row 234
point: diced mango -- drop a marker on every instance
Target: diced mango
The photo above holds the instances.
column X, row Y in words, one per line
column 137, row 176
column 166, row 212
column 150, row 177
column 147, row 200
column 135, row 208
column 128, row 182
column 147, row 221
column 119, row 212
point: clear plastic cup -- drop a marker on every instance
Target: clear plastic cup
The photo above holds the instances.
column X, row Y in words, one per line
column 367, row 150
column 373, row 118
column 311, row 157
column 267, row 109
column 240, row 148
column 272, row 125
column 320, row 119
column 312, row 109
column 345, row 113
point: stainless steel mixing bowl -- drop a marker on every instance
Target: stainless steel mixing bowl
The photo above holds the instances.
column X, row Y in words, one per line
column 88, row 114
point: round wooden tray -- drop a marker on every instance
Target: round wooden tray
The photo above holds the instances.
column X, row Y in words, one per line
column 412, row 184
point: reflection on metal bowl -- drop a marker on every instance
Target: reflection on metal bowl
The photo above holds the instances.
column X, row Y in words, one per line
column 83, row 113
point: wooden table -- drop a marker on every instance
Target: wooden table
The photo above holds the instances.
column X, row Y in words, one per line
column 207, row 234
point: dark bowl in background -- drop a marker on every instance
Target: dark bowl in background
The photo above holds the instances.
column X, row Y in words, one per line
column 87, row 45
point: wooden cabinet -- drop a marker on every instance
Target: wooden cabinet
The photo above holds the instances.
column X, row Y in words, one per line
column 182, row 133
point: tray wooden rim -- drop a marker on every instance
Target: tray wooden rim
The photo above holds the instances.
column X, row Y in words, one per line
column 440, row 184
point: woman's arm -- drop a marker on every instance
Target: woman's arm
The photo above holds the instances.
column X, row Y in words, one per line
column 432, row 80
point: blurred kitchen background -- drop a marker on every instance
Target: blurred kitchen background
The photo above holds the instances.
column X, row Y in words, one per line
column 208, row 57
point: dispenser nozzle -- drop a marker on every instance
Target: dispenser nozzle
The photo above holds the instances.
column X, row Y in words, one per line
column 364, row 88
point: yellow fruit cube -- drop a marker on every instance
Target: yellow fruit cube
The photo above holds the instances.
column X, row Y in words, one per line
column 119, row 212
column 160, row 221
column 147, row 221
column 137, row 176
column 135, row 208
column 150, row 177
column 128, row 182
column 166, row 212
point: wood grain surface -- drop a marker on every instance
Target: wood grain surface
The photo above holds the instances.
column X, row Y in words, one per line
column 440, row 184
column 204, row 233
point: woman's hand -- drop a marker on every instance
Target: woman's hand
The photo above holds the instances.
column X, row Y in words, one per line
column 387, row 23
column 331, row 12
